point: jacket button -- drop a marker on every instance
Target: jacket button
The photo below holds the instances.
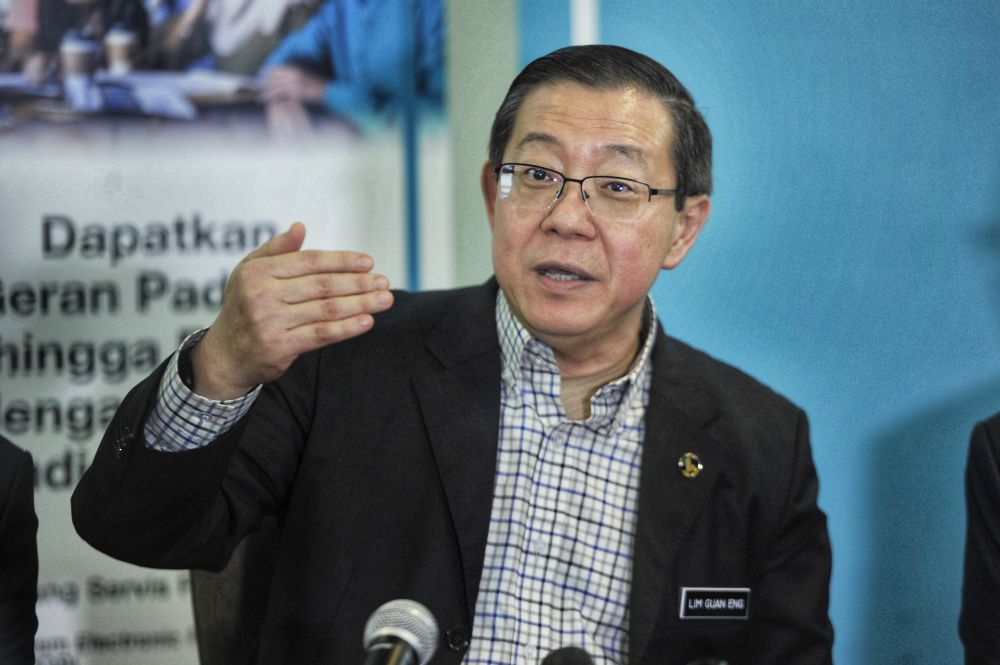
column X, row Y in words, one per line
column 457, row 638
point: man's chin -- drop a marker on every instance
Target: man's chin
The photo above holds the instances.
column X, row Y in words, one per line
column 553, row 328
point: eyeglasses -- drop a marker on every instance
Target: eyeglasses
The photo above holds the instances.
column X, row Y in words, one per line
column 536, row 188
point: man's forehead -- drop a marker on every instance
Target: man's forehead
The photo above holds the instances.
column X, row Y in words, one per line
column 619, row 122
column 633, row 153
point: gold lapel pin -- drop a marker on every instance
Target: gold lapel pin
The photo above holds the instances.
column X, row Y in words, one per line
column 690, row 465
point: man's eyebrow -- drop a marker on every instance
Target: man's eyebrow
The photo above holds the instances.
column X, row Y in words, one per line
column 629, row 152
column 537, row 137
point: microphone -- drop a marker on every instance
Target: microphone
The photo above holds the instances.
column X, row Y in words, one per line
column 568, row 656
column 401, row 632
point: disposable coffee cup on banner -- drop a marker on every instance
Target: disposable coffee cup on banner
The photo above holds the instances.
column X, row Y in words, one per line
column 119, row 45
column 78, row 57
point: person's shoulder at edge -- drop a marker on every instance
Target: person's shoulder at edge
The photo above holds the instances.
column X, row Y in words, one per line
column 19, row 559
column 991, row 428
column 10, row 454
column 983, row 461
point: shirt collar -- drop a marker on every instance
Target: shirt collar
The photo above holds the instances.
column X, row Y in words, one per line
column 524, row 356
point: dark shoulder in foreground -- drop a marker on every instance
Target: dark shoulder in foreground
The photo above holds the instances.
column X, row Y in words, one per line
column 991, row 428
column 10, row 457
column 983, row 463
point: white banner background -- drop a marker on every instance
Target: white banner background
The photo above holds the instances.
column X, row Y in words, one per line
column 139, row 239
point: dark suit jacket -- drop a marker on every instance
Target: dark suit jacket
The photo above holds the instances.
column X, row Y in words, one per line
column 18, row 556
column 979, row 624
column 378, row 454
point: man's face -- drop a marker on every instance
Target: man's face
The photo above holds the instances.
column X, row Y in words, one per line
column 577, row 282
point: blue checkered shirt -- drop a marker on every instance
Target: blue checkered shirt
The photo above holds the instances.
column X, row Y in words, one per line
column 558, row 563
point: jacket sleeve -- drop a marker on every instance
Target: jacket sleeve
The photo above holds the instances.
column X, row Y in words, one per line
column 187, row 509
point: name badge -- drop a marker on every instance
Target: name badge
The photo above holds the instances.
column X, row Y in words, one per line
column 715, row 603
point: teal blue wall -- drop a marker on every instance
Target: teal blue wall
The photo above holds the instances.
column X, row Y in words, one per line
column 852, row 261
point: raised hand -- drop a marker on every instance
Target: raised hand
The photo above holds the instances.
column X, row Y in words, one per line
column 280, row 302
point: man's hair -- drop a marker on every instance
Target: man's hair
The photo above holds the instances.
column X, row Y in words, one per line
column 610, row 68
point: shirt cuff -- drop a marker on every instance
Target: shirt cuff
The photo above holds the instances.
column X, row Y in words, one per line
column 182, row 420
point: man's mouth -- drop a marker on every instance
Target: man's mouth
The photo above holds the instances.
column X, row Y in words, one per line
column 562, row 275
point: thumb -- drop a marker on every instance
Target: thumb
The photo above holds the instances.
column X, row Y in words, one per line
column 283, row 243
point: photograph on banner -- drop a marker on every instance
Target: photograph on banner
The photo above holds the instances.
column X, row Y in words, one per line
column 281, row 67
column 146, row 146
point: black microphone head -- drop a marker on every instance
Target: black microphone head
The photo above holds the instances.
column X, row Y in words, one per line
column 407, row 620
column 568, row 656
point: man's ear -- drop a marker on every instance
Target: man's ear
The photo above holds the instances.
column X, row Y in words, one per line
column 488, row 183
column 690, row 222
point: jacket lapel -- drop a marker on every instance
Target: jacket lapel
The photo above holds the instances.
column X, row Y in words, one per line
column 461, row 407
column 676, row 420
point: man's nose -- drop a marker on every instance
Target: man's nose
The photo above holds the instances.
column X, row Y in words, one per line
column 569, row 215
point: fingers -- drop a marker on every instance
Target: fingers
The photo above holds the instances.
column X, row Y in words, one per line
column 319, row 333
column 332, row 310
column 277, row 306
column 315, row 262
column 330, row 332
column 330, row 285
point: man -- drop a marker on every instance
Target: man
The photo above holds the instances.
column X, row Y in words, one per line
column 533, row 459
column 18, row 556
column 979, row 625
